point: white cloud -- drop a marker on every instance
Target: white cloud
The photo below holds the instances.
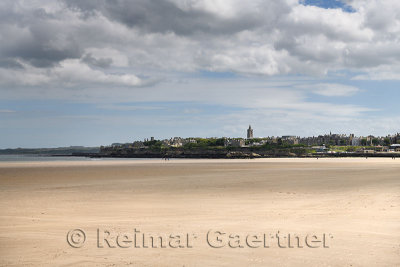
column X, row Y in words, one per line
column 73, row 72
column 327, row 89
column 7, row 111
column 257, row 37
column 106, row 53
column 70, row 72
column 380, row 73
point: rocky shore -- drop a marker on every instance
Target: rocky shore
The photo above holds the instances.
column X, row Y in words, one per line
column 225, row 154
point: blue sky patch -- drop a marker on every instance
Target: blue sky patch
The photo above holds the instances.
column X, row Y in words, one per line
column 328, row 4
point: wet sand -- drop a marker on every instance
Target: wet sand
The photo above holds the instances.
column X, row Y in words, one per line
column 354, row 202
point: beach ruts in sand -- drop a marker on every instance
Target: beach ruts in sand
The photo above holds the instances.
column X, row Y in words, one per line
column 355, row 202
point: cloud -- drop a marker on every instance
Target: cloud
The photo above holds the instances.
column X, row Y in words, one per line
column 380, row 73
column 41, row 40
column 144, row 66
column 152, row 36
column 10, row 63
column 129, row 107
column 7, row 111
column 101, row 62
column 68, row 73
column 335, row 90
column 180, row 17
column 72, row 72
column 192, row 111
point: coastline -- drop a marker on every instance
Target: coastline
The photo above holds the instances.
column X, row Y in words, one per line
column 233, row 155
column 135, row 161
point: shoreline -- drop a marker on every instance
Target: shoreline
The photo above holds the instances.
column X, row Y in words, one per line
column 134, row 161
column 238, row 155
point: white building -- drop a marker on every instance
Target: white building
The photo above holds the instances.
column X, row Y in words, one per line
column 356, row 141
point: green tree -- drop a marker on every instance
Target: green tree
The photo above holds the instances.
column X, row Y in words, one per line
column 280, row 142
column 364, row 142
column 386, row 141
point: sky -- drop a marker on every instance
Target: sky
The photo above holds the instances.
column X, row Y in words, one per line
column 95, row 72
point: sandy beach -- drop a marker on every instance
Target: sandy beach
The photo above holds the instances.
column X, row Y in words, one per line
column 344, row 212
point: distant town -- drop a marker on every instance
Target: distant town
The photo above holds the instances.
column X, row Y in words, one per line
column 328, row 145
column 287, row 145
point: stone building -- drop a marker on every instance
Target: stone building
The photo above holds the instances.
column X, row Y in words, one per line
column 249, row 133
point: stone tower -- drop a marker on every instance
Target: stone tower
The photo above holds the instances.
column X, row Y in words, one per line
column 249, row 132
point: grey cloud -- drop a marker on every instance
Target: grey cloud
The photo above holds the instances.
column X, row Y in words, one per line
column 304, row 51
column 101, row 62
column 146, row 36
column 41, row 56
column 35, row 36
column 372, row 55
column 10, row 63
column 164, row 16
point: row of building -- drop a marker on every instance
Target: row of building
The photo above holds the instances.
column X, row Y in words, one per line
column 329, row 139
column 343, row 140
column 320, row 140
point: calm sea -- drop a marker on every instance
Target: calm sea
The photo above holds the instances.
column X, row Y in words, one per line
column 48, row 158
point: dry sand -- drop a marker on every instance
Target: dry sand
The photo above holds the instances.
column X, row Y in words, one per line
column 355, row 201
